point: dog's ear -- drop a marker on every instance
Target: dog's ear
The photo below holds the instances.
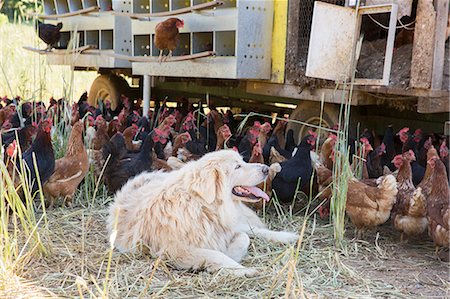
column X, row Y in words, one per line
column 207, row 182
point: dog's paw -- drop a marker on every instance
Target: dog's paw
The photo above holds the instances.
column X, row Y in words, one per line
column 245, row 272
column 286, row 237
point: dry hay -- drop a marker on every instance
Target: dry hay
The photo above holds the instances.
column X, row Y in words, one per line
column 378, row 267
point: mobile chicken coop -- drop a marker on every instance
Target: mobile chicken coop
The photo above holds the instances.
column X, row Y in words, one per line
column 257, row 53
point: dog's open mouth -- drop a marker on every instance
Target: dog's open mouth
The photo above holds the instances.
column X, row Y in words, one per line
column 250, row 194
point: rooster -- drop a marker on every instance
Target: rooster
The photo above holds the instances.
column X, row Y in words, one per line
column 167, row 36
column 69, row 170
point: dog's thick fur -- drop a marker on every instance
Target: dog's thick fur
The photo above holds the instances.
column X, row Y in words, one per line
column 191, row 216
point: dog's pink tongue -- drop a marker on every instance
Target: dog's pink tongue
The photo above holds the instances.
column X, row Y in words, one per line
column 257, row 192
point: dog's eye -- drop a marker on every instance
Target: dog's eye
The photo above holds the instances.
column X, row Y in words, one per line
column 237, row 166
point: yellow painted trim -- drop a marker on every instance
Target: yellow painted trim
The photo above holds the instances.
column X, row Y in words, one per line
column 279, row 36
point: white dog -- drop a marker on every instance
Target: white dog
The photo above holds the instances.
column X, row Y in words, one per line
column 194, row 215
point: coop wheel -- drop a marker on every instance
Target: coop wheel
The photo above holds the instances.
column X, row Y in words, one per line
column 108, row 87
column 309, row 112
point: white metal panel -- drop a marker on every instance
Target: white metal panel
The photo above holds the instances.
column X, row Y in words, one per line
column 87, row 60
column 216, row 67
column 214, row 20
column 254, row 39
column 241, row 37
column 331, row 42
column 98, row 21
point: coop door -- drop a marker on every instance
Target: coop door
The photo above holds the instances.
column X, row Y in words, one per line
column 335, row 32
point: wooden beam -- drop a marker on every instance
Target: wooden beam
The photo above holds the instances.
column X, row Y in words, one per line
column 439, row 43
column 69, row 14
column 295, row 93
column 433, row 105
column 144, row 16
column 423, row 45
column 410, row 92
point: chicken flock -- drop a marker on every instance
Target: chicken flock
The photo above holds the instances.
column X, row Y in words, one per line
column 404, row 177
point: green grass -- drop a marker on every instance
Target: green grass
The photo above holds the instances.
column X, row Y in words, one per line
column 27, row 73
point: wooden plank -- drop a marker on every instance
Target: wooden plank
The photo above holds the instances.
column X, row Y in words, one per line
column 69, row 14
column 433, row 105
column 295, row 93
column 411, row 92
column 439, row 43
column 422, row 55
column 145, row 16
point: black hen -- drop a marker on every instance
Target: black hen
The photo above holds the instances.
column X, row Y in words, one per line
column 290, row 142
column 297, row 168
column 273, row 142
column 374, row 166
column 24, row 136
column 389, row 145
column 120, row 169
column 418, row 171
column 45, row 159
column 49, row 33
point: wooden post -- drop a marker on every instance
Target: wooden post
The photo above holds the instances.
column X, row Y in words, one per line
column 422, row 54
column 439, row 43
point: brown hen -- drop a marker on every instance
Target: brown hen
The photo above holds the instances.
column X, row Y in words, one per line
column 438, row 213
column 409, row 212
column 369, row 206
column 69, row 170
column 167, row 35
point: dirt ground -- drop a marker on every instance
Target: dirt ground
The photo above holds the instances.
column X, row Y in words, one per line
column 377, row 266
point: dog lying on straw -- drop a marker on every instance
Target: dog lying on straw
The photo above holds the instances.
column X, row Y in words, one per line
column 194, row 216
